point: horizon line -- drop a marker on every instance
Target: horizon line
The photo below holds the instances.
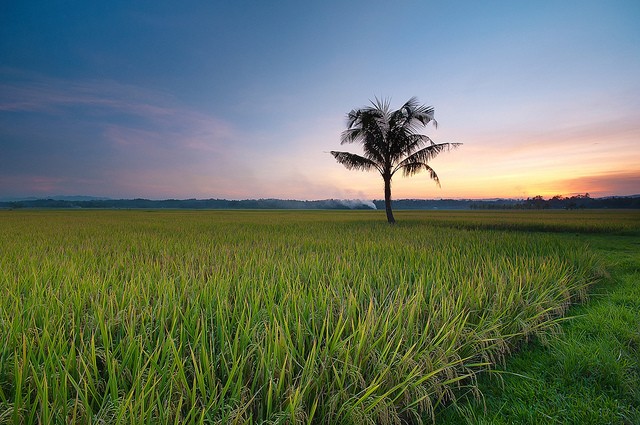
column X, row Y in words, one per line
column 80, row 198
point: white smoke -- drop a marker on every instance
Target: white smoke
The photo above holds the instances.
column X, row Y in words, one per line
column 357, row 203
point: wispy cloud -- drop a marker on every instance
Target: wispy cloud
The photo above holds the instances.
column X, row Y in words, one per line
column 144, row 143
column 109, row 99
column 133, row 131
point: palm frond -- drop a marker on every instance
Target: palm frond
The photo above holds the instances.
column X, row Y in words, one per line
column 412, row 168
column 412, row 115
column 352, row 135
column 425, row 154
column 355, row 162
column 382, row 105
column 406, row 144
column 415, row 142
column 367, row 126
column 366, row 119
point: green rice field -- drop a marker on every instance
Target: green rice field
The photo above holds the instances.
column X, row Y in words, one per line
column 318, row 317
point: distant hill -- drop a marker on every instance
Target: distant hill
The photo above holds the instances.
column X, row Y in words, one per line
column 557, row 202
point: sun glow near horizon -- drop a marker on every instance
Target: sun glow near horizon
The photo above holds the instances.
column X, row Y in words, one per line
column 595, row 160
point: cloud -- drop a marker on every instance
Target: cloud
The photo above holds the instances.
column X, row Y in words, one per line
column 103, row 138
column 70, row 132
column 28, row 91
column 112, row 102
column 603, row 184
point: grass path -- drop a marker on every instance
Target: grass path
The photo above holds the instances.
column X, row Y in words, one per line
column 589, row 374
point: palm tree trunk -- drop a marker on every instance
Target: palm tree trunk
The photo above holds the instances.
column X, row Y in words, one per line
column 387, row 199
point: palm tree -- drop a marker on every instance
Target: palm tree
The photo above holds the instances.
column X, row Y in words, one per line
column 391, row 143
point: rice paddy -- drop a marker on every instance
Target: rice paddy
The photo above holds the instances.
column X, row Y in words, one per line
column 211, row 317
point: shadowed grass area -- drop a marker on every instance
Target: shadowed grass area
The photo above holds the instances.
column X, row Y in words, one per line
column 278, row 317
column 588, row 374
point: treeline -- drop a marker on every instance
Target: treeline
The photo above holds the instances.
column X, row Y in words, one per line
column 189, row 204
column 429, row 204
column 334, row 204
column 560, row 202
column 537, row 203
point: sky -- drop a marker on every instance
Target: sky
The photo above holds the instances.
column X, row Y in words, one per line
column 245, row 99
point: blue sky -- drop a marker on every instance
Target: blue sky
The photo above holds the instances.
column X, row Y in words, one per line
column 242, row 99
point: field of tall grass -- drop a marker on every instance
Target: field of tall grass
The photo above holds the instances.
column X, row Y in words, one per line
column 271, row 317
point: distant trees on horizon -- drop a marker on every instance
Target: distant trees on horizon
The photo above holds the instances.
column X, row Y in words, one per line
column 534, row 203
column 560, row 202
